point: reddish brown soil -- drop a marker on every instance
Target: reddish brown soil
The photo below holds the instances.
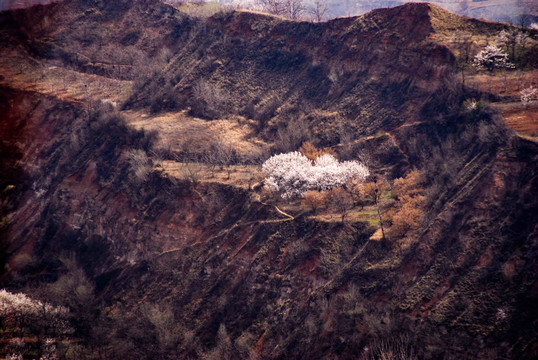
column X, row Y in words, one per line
column 524, row 121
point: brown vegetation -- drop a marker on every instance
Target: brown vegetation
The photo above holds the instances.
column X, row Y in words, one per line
column 314, row 200
column 312, row 152
column 408, row 212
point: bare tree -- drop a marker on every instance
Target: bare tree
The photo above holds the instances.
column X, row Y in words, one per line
column 210, row 99
column 296, row 132
column 377, row 195
column 340, row 200
column 318, row 11
column 224, row 156
column 275, row 7
column 463, row 42
column 292, row 9
column 211, row 160
column 190, row 168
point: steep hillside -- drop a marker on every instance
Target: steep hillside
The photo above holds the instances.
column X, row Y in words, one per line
column 337, row 68
column 163, row 265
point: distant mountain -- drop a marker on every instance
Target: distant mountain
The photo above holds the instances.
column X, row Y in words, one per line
column 518, row 12
column 511, row 11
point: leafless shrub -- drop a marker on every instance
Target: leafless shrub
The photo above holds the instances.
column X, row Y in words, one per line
column 339, row 200
column 295, row 133
column 140, row 165
column 256, row 157
column 209, row 100
column 222, row 155
column 297, row 250
column 191, row 171
column 442, row 169
column 245, row 344
column 492, row 132
column 329, row 261
column 266, row 110
column 315, row 199
column 201, row 8
column 254, row 180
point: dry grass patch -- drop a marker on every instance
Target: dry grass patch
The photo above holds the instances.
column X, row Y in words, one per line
column 22, row 72
column 179, row 132
column 367, row 214
column 508, row 84
column 243, row 176
column 503, row 83
column 522, row 120
column 175, row 129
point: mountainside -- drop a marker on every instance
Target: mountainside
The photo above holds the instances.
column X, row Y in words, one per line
column 112, row 204
column 514, row 11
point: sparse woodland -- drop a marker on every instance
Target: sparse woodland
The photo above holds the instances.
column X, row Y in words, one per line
column 191, row 181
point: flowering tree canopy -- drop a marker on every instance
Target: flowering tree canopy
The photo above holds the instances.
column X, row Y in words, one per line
column 526, row 95
column 492, row 58
column 17, row 308
column 293, row 174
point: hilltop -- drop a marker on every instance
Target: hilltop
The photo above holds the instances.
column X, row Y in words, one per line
column 513, row 12
column 113, row 206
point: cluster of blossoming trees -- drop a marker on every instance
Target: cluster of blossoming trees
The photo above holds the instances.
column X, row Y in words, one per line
column 293, row 174
column 492, row 57
column 19, row 312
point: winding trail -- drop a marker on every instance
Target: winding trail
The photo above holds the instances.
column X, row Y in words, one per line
column 284, row 213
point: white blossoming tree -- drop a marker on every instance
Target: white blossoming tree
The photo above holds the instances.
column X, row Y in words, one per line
column 492, row 58
column 527, row 95
column 19, row 311
column 511, row 38
column 293, row 174
column 288, row 173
